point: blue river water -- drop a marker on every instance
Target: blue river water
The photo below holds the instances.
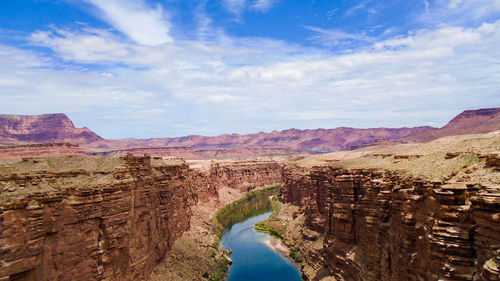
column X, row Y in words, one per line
column 252, row 259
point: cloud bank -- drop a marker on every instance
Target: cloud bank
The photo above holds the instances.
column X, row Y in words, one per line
column 165, row 87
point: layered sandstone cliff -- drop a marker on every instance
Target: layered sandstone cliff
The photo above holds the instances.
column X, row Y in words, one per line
column 189, row 153
column 380, row 225
column 112, row 222
column 389, row 224
column 39, row 150
column 101, row 218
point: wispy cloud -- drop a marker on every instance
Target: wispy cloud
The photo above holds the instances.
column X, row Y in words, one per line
column 426, row 6
column 235, row 6
column 216, row 83
column 264, row 5
column 461, row 12
column 353, row 10
column 238, row 6
column 90, row 45
column 144, row 25
column 335, row 37
column 256, row 82
column 453, row 3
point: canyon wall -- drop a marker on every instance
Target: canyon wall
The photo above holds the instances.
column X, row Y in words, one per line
column 189, row 153
column 381, row 225
column 38, row 150
column 102, row 218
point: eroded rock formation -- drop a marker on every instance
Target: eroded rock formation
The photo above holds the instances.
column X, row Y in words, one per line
column 189, row 153
column 382, row 225
column 92, row 225
column 477, row 121
column 43, row 128
column 23, row 129
column 39, row 150
column 101, row 218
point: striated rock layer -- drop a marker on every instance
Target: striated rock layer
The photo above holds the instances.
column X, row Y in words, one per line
column 39, row 150
column 189, row 153
column 386, row 225
column 98, row 218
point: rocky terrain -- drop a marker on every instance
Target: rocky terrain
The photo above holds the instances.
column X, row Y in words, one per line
column 468, row 122
column 39, row 150
column 106, row 218
column 189, row 153
column 26, row 129
column 21, row 129
column 318, row 140
column 395, row 211
column 406, row 212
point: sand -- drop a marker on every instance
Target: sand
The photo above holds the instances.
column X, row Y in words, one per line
column 276, row 245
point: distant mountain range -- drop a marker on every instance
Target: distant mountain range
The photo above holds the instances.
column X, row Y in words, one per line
column 26, row 129
column 478, row 121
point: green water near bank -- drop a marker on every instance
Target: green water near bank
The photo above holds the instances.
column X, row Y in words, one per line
column 254, row 203
column 252, row 259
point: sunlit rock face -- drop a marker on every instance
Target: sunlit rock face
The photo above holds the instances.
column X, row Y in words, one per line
column 477, row 121
column 44, row 128
column 380, row 225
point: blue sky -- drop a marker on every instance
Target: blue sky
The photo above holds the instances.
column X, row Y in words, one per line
column 150, row 68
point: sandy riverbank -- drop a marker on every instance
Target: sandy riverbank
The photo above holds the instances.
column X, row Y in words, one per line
column 276, row 245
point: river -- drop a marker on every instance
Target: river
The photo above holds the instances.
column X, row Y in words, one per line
column 252, row 259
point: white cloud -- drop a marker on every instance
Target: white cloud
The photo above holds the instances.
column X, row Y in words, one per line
column 237, row 85
column 238, row 6
column 85, row 46
column 89, row 45
column 461, row 12
column 453, row 3
column 264, row 5
column 222, row 98
column 445, row 37
column 334, row 37
column 235, row 6
column 133, row 18
column 353, row 10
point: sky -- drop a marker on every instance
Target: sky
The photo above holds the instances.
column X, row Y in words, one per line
column 166, row 68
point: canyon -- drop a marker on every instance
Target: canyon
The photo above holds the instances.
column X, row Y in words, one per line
column 389, row 214
column 377, row 213
column 99, row 218
column 399, row 210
